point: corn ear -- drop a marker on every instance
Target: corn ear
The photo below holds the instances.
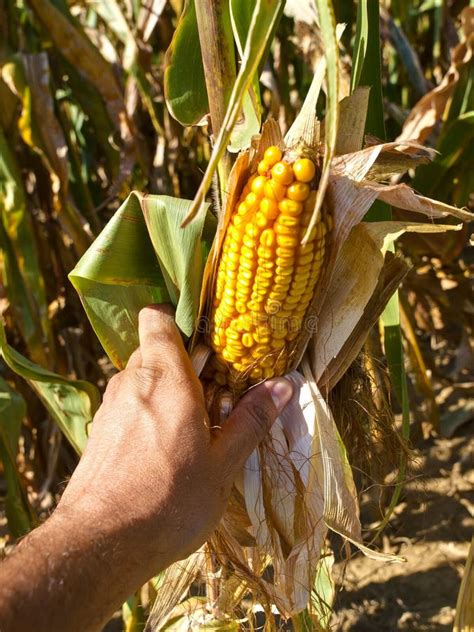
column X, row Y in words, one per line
column 266, row 278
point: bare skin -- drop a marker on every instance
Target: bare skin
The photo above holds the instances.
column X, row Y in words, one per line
column 149, row 489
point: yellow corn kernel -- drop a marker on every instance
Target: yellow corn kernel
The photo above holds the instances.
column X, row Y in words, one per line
column 248, row 252
column 258, row 186
column 306, row 249
column 274, row 190
column 282, row 287
column 260, row 351
column 277, row 296
column 247, row 340
column 290, row 207
column 277, row 343
column 264, row 274
column 284, row 265
column 283, row 277
column 304, row 170
column 244, row 323
column 305, row 259
column 282, row 229
column 287, row 220
column 239, row 220
column 262, row 220
column 282, row 173
column 252, row 201
column 272, row 155
column 285, row 252
column 249, row 241
column 230, row 356
column 248, row 264
column 232, row 334
column 298, row 191
column 287, row 241
column 263, row 167
column 265, row 278
column 252, row 231
column 256, row 374
column 267, row 238
column 269, row 207
column 243, row 208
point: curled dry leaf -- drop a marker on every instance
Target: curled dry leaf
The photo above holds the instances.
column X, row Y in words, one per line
column 430, row 108
column 357, row 273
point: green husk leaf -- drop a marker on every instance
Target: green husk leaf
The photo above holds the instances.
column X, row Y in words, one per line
column 316, row 617
column 142, row 257
column 71, row 403
column 324, row 592
column 179, row 252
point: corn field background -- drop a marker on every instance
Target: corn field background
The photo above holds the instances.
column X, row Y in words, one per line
column 102, row 97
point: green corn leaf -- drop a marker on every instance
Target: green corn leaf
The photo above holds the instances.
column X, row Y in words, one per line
column 241, row 12
column 370, row 74
column 184, row 82
column 22, row 273
column 140, row 258
column 450, row 176
column 327, row 23
column 70, row 40
column 71, row 403
column 133, row 614
column 368, row 70
column 360, row 44
column 91, row 103
column 76, row 47
column 264, row 18
column 20, row 515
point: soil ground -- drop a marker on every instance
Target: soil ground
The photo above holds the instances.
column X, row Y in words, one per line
column 432, row 528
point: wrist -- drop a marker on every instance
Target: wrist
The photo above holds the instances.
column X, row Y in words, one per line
column 110, row 535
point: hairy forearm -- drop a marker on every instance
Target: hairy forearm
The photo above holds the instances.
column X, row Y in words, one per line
column 68, row 575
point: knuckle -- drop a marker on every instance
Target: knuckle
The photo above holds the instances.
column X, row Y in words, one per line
column 144, row 377
column 113, row 386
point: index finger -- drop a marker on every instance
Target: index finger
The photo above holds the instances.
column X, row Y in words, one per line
column 161, row 344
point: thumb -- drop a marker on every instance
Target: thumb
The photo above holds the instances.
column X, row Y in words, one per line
column 251, row 419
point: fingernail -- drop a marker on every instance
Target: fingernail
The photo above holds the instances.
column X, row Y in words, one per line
column 281, row 391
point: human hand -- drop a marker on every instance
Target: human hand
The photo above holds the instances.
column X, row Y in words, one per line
column 152, row 470
column 150, row 488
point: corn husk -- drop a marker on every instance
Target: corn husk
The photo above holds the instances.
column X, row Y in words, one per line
column 299, row 484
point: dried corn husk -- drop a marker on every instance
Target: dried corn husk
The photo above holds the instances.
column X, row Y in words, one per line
column 299, row 484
